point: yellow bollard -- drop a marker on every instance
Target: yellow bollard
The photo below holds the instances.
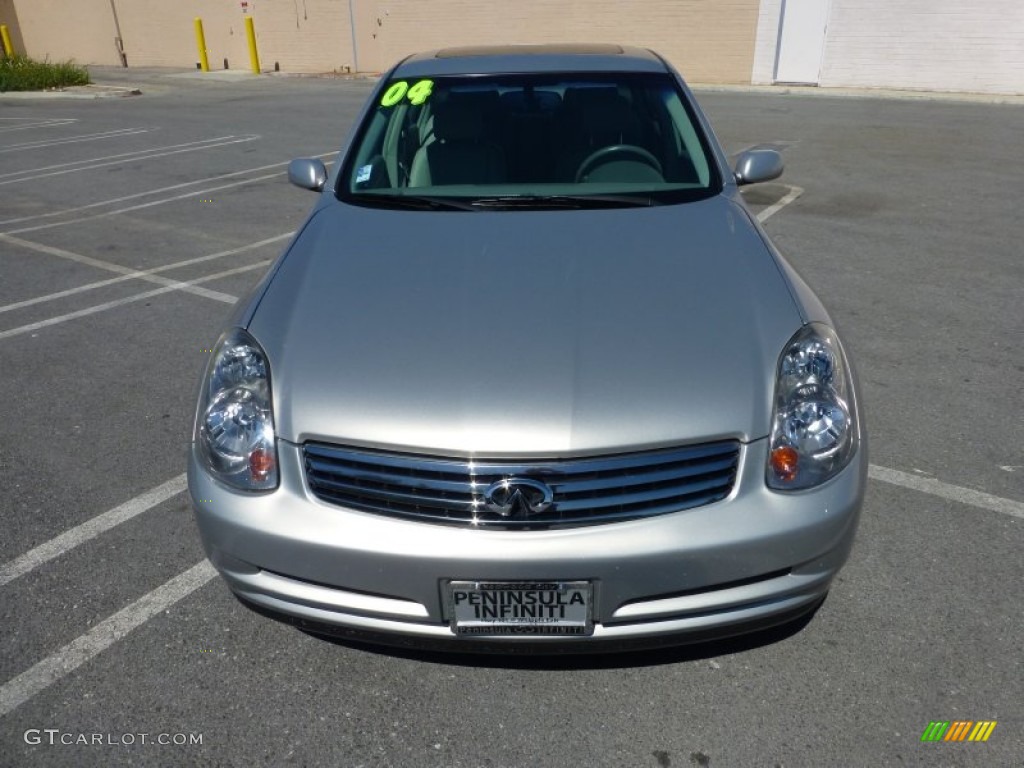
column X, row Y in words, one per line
column 8, row 46
column 254, row 57
column 204, row 62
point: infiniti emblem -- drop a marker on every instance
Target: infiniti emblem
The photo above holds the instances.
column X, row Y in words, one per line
column 517, row 497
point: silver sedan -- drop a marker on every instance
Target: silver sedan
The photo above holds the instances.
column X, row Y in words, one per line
column 530, row 377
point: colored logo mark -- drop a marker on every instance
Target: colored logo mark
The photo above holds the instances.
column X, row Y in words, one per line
column 958, row 730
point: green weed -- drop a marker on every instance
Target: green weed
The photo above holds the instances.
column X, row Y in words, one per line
column 20, row 73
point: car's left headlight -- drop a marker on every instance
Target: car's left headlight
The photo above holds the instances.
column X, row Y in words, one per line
column 814, row 424
column 235, row 419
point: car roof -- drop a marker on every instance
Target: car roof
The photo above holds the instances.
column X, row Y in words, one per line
column 561, row 57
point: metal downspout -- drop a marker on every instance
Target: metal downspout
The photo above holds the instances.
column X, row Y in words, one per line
column 118, row 41
column 355, row 44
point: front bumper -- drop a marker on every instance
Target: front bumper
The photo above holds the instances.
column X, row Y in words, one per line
column 753, row 560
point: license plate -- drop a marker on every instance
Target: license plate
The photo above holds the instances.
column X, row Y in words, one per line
column 532, row 608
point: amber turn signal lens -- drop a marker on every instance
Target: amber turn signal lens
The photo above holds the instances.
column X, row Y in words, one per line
column 784, row 461
column 261, row 462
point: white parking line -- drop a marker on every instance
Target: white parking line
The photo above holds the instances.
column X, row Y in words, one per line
column 904, row 479
column 59, row 665
column 175, row 286
column 771, row 210
column 947, row 491
column 52, row 669
column 118, row 268
column 143, row 274
column 27, row 145
column 124, row 158
column 52, row 123
column 90, row 529
column 159, row 190
column 140, row 206
column 135, row 154
column 69, row 658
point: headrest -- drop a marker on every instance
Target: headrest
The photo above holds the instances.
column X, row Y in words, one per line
column 455, row 121
column 607, row 114
column 576, row 96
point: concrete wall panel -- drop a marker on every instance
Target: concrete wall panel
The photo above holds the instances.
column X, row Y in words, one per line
column 942, row 45
column 932, row 45
column 767, row 45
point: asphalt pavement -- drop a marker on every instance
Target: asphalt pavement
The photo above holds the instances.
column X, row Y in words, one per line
column 130, row 224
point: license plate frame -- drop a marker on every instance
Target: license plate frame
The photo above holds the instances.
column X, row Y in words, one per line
column 494, row 608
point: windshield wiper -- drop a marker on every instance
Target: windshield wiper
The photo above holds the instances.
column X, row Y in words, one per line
column 415, row 202
column 533, row 202
column 564, row 201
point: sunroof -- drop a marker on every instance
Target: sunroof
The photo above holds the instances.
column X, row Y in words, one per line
column 539, row 50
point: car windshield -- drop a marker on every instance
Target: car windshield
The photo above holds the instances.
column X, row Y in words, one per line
column 529, row 140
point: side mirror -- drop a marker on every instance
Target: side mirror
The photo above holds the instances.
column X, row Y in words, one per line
column 308, row 173
column 757, row 165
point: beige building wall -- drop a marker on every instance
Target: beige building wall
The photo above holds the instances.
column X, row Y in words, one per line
column 162, row 34
column 708, row 40
column 9, row 18
column 57, row 29
column 304, row 36
column 301, row 35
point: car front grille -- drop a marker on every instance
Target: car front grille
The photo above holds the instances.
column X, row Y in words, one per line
column 583, row 491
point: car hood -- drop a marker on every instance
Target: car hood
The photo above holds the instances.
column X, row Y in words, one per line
column 525, row 333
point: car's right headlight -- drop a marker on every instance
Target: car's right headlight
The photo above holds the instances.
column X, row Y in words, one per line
column 235, row 419
column 814, row 424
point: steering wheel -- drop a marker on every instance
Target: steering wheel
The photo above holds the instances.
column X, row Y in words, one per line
column 602, row 155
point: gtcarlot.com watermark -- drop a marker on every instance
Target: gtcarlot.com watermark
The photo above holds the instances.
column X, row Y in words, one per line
column 57, row 737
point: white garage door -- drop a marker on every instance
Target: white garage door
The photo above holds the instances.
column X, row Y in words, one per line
column 801, row 41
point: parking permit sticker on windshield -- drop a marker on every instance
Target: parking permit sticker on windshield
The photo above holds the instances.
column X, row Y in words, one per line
column 363, row 174
column 417, row 93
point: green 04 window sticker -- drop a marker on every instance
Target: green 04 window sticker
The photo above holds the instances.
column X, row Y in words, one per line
column 417, row 93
